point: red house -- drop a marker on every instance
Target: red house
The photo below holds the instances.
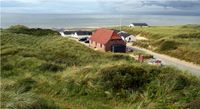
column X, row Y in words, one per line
column 107, row 40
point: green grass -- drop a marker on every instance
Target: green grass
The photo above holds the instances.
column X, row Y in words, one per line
column 51, row 72
column 182, row 42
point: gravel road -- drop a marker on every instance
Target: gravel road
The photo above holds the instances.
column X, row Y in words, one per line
column 167, row 60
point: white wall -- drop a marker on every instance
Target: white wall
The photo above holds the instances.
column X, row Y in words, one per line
column 63, row 35
column 131, row 25
column 132, row 38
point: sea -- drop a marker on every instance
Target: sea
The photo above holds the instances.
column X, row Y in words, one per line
column 92, row 20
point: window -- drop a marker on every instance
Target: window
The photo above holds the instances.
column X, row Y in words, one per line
column 101, row 45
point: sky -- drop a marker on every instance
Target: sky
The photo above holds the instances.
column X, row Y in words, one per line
column 163, row 7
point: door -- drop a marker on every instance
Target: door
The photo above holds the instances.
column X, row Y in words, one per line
column 118, row 49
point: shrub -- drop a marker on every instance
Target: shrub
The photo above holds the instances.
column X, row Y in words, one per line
column 12, row 100
column 20, row 29
column 9, row 73
column 144, row 44
column 123, row 77
column 7, row 66
column 119, row 57
column 25, row 85
column 168, row 45
column 50, row 67
column 9, row 51
column 194, row 26
column 16, row 28
column 195, row 104
column 180, row 82
column 190, row 35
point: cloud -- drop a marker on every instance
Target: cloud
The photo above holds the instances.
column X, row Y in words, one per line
column 102, row 6
column 165, row 7
column 49, row 6
column 177, row 4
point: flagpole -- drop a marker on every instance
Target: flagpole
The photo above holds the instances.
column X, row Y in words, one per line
column 120, row 22
column 120, row 19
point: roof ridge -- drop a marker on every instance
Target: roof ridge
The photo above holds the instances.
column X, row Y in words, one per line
column 103, row 35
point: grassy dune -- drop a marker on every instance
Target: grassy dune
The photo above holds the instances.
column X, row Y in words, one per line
column 41, row 70
column 182, row 42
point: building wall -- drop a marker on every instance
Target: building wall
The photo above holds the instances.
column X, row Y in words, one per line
column 114, row 42
column 131, row 25
column 97, row 45
column 132, row 38
column 106, row 47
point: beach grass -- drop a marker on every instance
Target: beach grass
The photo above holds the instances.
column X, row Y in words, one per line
column 181, row 42
column 51, row 72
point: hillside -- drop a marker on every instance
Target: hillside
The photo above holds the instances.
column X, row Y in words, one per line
column 41, row 70
column 182, row 42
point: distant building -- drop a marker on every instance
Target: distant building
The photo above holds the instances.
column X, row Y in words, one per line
column 81, row 34
column 76, row 34
column 67, row 33
column 126, row 36
column 138, row 25
column 107, row 40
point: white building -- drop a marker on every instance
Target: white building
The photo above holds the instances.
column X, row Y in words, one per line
column 81, row 34
column 66, row 33
column 138, row 25
column 127, row 37
column 75, row 34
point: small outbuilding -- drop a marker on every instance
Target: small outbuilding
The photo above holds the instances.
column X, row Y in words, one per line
column 107, row 40
column 66, row 33
column 82, row 34
column 138, row 25
column 76, row 34
column 126, row 36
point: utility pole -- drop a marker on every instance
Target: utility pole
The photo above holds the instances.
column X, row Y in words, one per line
column 120, row 19
column 120, row 22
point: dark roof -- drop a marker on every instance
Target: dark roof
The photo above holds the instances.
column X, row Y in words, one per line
column 69, row 32
column 124, row 34
column 78, row 32
column 104, row 35
column 84, row 33
column 139, row 24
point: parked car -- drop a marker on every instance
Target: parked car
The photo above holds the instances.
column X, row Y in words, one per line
column 83, row 39
column 154, row 61
column 86, row 41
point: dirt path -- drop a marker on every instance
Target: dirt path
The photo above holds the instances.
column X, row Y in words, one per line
column 167, row 60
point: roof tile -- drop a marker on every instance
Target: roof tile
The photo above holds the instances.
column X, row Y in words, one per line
column 104, row 35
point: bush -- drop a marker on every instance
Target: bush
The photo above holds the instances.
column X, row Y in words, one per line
column 144, row 44
column 25, row 85
column 180, row 82
column 9, row 73
column 9, row 51
column 190, row 35
column 7, row 66
column 16, row 28
column 12, row 100
column 123, row 77
column 195, row 104
column 119, row 57
column 168, row 45
column 50, row 67
column 194, row 26
column 20, row 29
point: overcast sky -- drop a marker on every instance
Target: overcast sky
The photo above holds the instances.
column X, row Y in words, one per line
column 164, row 7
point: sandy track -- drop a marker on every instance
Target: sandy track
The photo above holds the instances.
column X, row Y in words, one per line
column 167, row 60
